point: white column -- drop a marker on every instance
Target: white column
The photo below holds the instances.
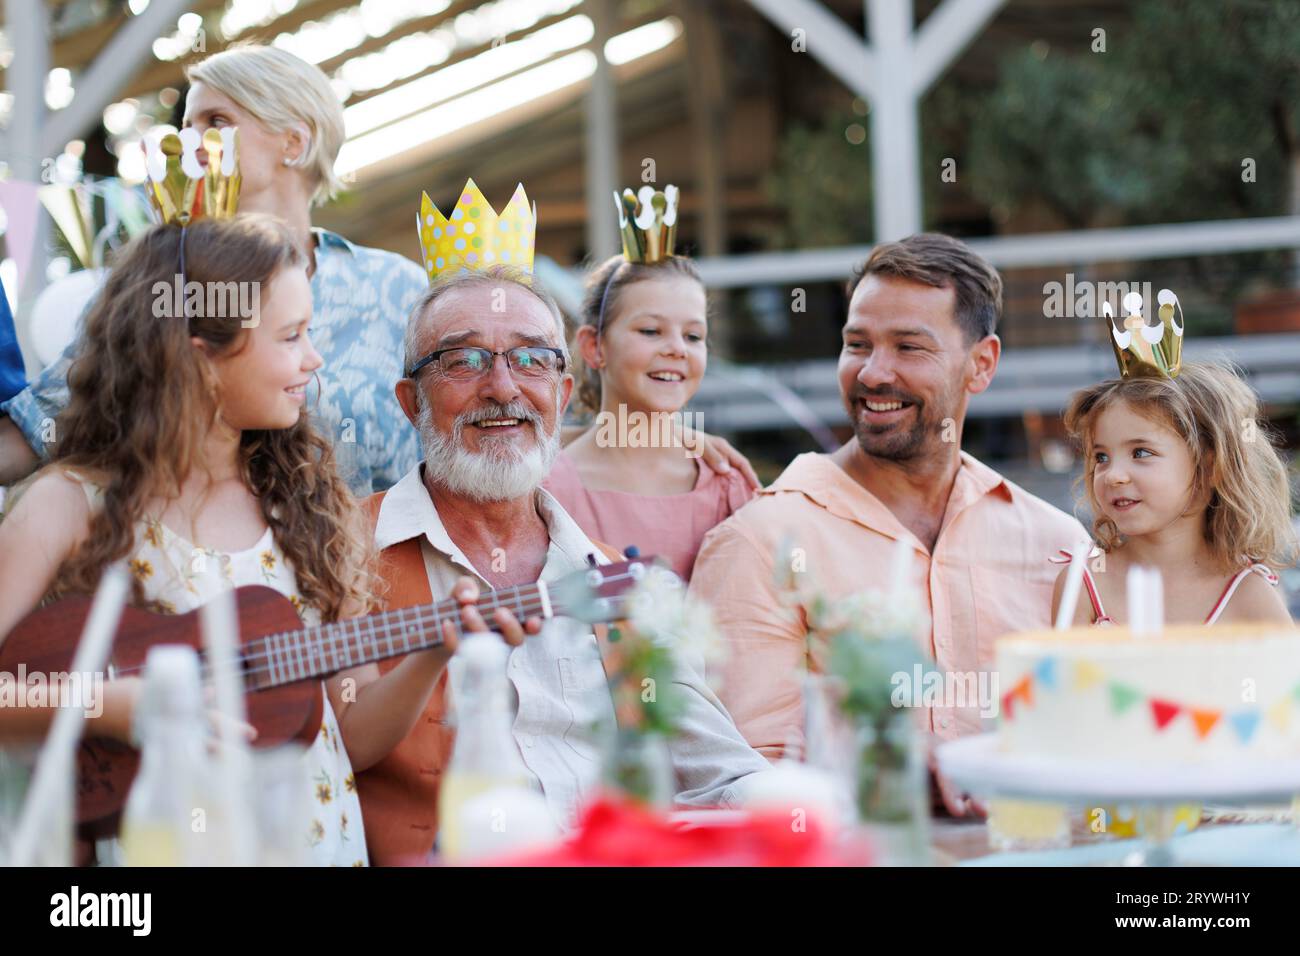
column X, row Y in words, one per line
column 895, row 147
column 28, row 26
column 892, row 72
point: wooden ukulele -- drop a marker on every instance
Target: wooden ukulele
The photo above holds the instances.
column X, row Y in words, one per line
column 282, row 662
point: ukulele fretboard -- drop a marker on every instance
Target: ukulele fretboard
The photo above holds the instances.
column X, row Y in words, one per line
column 291, row 656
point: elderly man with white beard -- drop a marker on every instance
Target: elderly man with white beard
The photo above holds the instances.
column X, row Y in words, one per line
column 487, row 382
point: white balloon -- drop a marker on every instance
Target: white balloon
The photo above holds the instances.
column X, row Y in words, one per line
column 57, row 309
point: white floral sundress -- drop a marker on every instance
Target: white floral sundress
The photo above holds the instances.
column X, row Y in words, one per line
column 171, row 574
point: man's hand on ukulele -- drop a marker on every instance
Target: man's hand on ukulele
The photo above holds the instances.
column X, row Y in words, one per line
column 466, row 593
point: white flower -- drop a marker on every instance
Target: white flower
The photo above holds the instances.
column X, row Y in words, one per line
column 664, row 613
column 872, row 613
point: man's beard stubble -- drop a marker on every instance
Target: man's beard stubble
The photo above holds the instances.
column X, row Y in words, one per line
column 897, row 443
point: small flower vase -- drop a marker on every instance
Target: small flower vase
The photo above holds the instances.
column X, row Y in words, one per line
column 891, row 787
column 637, row 766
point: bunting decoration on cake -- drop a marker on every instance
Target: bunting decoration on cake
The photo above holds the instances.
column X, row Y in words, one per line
column 1086, row 675
column 1205, row 721
column 1047, row 676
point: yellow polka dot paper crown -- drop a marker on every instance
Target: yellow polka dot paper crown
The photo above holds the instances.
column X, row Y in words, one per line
column 474, row 236
column 1147, row 351
column 647, row 221
column 180, row 189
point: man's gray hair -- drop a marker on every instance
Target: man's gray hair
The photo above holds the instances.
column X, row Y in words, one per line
column 494, row 275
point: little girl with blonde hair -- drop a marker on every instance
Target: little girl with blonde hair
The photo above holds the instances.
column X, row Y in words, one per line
column 1181, row 475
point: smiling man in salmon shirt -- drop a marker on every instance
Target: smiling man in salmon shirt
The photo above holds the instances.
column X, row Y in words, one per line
column 918, row 343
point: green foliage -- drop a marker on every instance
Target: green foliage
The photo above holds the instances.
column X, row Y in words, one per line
column 1155, row 129
column 867, row 665
column 1054, row 131
column 823, row 182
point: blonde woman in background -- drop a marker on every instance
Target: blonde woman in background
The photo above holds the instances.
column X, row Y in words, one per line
column 290, row 131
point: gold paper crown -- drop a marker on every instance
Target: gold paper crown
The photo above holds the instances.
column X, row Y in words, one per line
column 648, row 222
column 474, row 236
column 1150, row 351
column 181, row 189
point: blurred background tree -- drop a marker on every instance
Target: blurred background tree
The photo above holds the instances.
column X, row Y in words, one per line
column 822, row 181
column 1191, row 113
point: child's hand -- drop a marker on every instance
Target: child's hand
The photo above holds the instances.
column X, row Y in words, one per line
column 120, row 699
column 217, row 721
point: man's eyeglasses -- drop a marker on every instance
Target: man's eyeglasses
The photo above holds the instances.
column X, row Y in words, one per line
column 463, row 364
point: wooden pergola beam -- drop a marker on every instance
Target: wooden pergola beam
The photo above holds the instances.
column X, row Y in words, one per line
column 554, row 138
column 165, row 73
column 457, row 57
column 418, row 25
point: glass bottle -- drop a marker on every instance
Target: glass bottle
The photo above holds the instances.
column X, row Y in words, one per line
column 165, row 820
column 485, row 757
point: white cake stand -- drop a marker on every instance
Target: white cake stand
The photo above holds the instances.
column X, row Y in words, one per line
column 978, row 766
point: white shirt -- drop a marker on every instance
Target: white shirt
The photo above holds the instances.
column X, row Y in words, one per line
column 563, row 704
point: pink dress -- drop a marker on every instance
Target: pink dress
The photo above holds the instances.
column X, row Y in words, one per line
column 671, row 527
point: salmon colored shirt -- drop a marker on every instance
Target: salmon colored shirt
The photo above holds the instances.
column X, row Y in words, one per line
column 671, row 527
column 988, row 575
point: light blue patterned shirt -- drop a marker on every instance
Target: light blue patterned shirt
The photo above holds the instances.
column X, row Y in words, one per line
column 362, row 298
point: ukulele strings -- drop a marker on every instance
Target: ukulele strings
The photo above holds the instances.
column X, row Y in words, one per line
column 401, row 618
column 258, row 662
column 426, row 619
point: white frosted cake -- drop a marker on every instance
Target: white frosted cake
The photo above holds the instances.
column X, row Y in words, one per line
column 1192, row 694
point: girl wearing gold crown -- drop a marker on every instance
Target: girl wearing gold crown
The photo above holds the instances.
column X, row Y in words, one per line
column 186, row 445
column 634, row 477
column 1181, row 475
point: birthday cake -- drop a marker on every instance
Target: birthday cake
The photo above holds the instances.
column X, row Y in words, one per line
column 1188, row 695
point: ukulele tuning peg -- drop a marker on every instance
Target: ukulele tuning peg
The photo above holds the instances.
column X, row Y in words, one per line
column 591, row 560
